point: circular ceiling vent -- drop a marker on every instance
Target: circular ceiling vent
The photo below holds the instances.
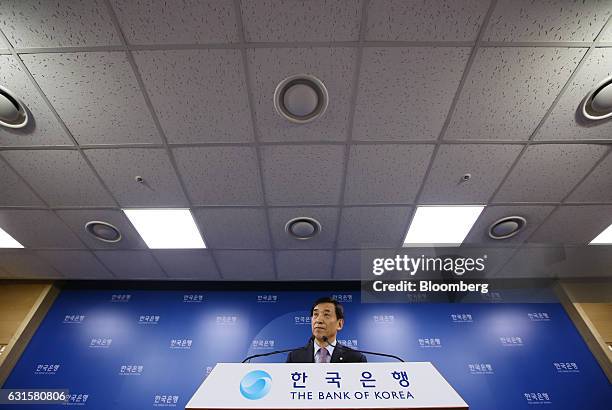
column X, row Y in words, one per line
column 301, row 98
column 12, row 111
column 303, row 228
column 507, row 227
column 598, row 103
column 103, row 231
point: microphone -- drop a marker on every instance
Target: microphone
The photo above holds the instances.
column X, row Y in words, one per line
column 248, row 358
column 325, row 339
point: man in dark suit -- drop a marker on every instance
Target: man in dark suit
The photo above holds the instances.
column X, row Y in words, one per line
column 327, row 318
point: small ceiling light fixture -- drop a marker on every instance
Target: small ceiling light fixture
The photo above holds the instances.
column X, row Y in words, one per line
column 301, row 98
column 507, row 227
column 604, row 238
column 598, row 103
column 166, row 228
column 13, row 113
column 7, row 241
column 103, row 231
column 441, row 225
column 303, row 228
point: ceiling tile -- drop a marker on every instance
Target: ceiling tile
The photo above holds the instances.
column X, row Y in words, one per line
column 333, row 66
column 597, row 187
column 533, row 262
column 416, row 20
column 480, row 231
column 131, row 264
column 220, row 175
column 76, row 264
column 551, row 20
column 234, row 228
column 327, row 217
column 348, row 265
column 578, row 224
column 295, row 21
column 565, row 120
column 372, row 227
column 76, row 220
column 405, row 93
column 24, row 264
column 379, row 174
column 119, row 167
column 198, row 95
column 96, row 95
column 508, row 90
column 548, row 172
column 195, row 264
column 60, row 177
column 40, row 23
column 245, row 265
column 13, row 191
column 43, row 128
column 304, row 264
column 38, row 229
column 302, row 174
column 585, row 262
column 487, row 164
column 163, row 22
column 607, row 33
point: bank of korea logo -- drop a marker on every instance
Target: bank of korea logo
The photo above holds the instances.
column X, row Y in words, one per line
column 255, row 384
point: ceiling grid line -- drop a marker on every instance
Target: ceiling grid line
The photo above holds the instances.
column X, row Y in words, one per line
column 451, row 110
column 256, row 136
column 157, row 124
column 349, row 136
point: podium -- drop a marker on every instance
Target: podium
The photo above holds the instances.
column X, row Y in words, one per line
column 414, row 385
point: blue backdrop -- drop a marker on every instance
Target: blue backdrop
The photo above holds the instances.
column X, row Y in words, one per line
column 148, row 349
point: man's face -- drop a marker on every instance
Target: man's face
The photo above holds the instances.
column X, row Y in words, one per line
column 324, row 321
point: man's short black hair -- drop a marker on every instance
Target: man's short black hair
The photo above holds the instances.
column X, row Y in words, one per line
column 338, row 307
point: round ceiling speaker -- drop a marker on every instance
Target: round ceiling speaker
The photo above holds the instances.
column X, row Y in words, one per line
column 12, row 111
column 507, row 227
column 598, row 103
column 303, row 228
column 103, row 231
column 301, row 98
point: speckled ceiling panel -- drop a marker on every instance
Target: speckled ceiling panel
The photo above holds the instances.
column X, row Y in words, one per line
column 508, row 90
column 220, row 175
column 333, row 66
column 60, row 177
column 299, row 175
column 166, row 22
column 246, row 265
column 549, row 20
column 119, row 167
column 234, row 228
column 43, row 23
column 23, row 264
column 548, row 172
column 405, row 93
column 417, row 20
column 13, row 191
column 574, row 224
column 373, row 227
column 487, row 165
column 195, row 264
column 97, row 96
column 43, row 129
column 304, row 264
column 385, row 174
column 607, row 33
column 597, row 187
column 327, row 217
column 38, row 229
column 289, row 20
column 566, row 121
column 131, row 264
column 198, row 95
column 76, row 264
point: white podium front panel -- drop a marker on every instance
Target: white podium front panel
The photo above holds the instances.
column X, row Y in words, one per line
column 415, row 385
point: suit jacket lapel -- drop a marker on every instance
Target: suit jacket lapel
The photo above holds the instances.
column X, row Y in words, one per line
column 310, row 351
column 337, row 354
